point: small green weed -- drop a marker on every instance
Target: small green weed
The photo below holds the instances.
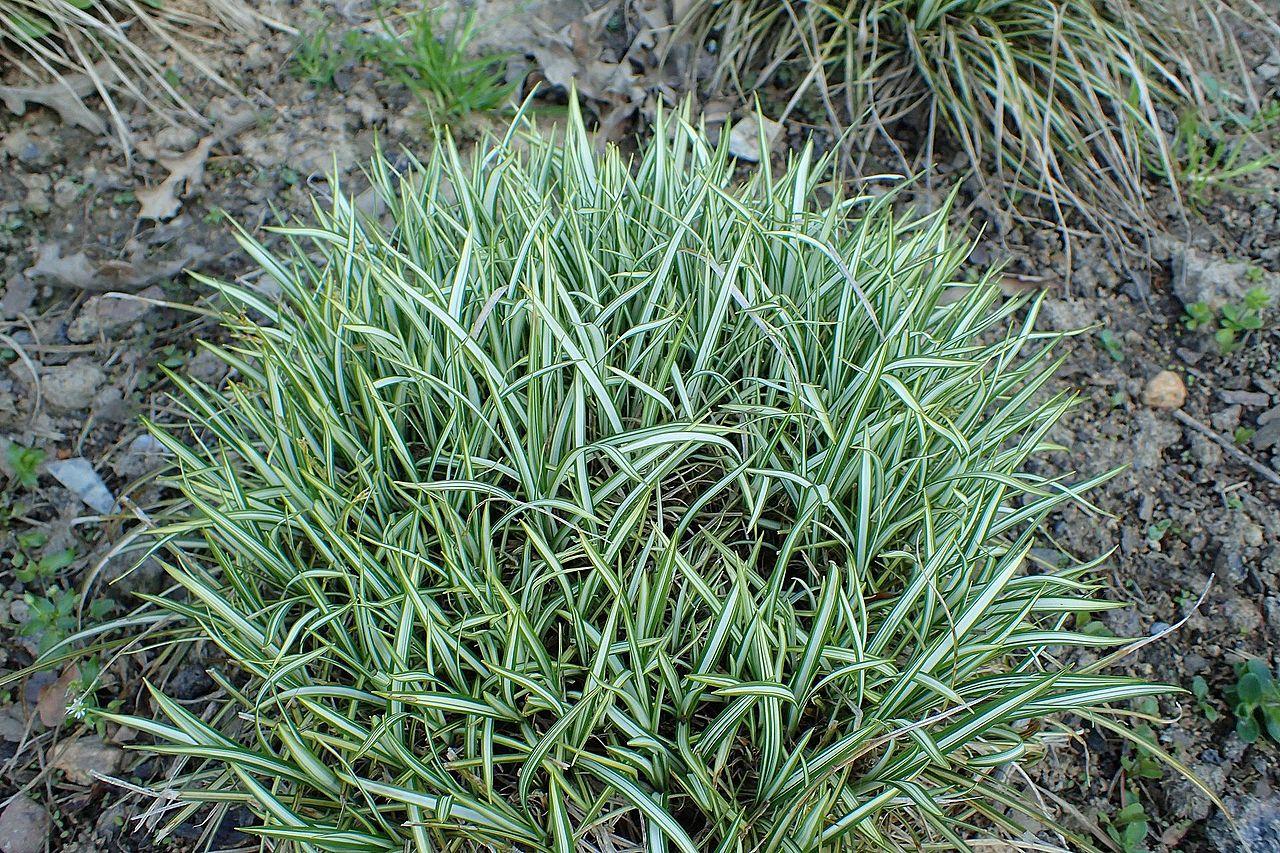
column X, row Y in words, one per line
column 1111, row 344
column 1221, row 154
column 25, row 462
column 1256, row 700
column 1142, row 763
column 1235, row 321
column 30, row 564
column 438, row 71
column 52, row 615
column 446, row 81
column 1204, row 702
column 317, row 58
column 1086, row 624
column 1157, row 530
column 1198, row 315
column 1129, row 826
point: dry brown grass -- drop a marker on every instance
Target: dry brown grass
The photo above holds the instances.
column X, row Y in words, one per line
column 116, row 47
column 1068, row 102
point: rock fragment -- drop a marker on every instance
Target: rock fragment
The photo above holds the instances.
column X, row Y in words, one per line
column 71, row 387
column 79, row 476
column 1165, row 391
column 104, row 316
column 24, row 826
column 84, row 759
column 1203, row 277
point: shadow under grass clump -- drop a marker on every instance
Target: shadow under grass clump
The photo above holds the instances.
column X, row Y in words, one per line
column 591, row 500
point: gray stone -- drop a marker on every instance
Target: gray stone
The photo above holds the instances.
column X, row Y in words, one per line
column 744, row 138
column 1254, row 399
column 1258, row 825
column 1067, row 315
column 1151, row 435
column 103, row 316
column 24, row 826
column 71, row 386
column 79, row 476
column 145, row 454
column 1267, row 436
column 19, row 295
column 1202, row 277
column 85, row 759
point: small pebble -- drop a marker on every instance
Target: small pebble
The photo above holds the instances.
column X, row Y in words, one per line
column 1165, row 391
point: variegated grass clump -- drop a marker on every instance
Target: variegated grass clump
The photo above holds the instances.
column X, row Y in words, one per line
column 96, row 46
column 591, row 502
column 1067, row 102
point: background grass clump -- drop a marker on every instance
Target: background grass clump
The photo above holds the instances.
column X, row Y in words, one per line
column 115, row 44
column 438, row 69
column 1069, row 103
column 592, row 502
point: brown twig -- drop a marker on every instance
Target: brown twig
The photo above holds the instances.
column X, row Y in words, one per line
column 1266, row 473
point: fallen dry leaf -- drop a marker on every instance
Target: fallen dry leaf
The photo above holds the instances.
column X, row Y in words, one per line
column 64, row 98
column 614, row 80
column 78, row 271
column 744, row 138
column 52, row 703
column 186, row 173
column 70, row 271
column 568, row 59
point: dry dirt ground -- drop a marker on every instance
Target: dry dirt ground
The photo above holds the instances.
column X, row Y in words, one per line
column 1188, row 519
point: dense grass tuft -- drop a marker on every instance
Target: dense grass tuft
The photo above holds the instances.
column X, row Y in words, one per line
column 591, row 500
column 1068, row 102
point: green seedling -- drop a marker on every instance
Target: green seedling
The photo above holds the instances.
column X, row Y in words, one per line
column 1234, row 322
column 1111, row 344
column 1256, row 700
column 29, row 561
column 1198, row 315
column 1141, row 763
column 1087, row 624
column 1129, row 826
column 25, row 462
column 51, row 616
column 1157, row 530
column 1200, row 691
